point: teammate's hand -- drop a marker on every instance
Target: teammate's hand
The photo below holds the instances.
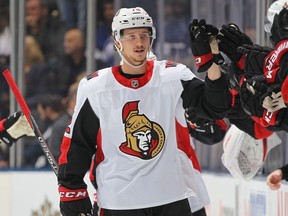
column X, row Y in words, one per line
column 274, row 179
column 200, row 46
column 279, row 29
column 254, row 57
column 229, row 38
column 14, row 127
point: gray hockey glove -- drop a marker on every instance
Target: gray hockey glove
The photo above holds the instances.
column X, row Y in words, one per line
column 14, row 127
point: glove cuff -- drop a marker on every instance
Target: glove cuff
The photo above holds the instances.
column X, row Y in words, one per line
column 67, row 194
column 241, row 63
column 269, row 118
column 204, row 62
column 6, row 138
column 272, row 60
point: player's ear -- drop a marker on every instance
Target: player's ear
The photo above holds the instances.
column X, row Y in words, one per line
column 117, row 45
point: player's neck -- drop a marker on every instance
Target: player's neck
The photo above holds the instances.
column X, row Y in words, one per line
column 127, row 69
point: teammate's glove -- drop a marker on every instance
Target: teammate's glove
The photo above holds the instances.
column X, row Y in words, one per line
column 14, row 127
column 254, row 58
column 250, row 95
column 230, row 37
column 279, row 29
column 74, row 202
column 197, row 123
column 201, row 129
column 199, row 36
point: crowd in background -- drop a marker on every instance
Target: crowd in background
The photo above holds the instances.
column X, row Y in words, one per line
column 55, row 61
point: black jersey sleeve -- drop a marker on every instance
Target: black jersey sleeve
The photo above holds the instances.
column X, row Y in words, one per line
column 209, row 99
column 77, row 151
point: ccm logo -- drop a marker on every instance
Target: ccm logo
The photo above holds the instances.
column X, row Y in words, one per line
column 73, row 194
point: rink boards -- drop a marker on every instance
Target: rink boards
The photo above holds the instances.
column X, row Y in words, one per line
column 28, row 192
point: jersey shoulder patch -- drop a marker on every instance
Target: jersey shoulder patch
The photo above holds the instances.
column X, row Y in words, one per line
column 170, row 64
column 92, row 75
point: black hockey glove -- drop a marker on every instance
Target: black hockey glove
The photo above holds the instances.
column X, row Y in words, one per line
column 200, row 46
column 230, row 37
column 251, row 94
column 76, row 208
column 254, row 58
column 197, row 123
column 279, row 29
column 206, row 131
column 14, row 127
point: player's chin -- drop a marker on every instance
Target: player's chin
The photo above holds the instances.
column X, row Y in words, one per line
column 140, row 60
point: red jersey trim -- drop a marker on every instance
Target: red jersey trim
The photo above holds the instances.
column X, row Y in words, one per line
column 183, row 143
column 134, row 83
column 2, row 128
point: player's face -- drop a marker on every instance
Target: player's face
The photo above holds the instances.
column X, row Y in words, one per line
column 135, row 43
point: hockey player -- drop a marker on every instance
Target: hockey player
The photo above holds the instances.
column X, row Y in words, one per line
column 129, row 117
column 268, row 94
column 259, row 104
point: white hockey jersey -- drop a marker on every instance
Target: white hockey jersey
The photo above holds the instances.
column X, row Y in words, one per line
column 143, row 156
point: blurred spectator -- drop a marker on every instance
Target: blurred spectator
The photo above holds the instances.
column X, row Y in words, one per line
column 60, row 119
column 4, row 97
column 59, row 73
column 5, row 51
column 177, row 41
column 50, row 108
column 4, row 155
column 33, row 54
column 73, row 13
column 105, row 53
column 46, row 27
column 60, row 124
column 74, row 60
column 5, row 36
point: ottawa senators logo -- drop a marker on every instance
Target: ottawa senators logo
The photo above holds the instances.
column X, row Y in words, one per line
column 144, row 138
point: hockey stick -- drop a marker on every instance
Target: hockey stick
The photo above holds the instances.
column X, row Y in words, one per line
column 25, row 109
